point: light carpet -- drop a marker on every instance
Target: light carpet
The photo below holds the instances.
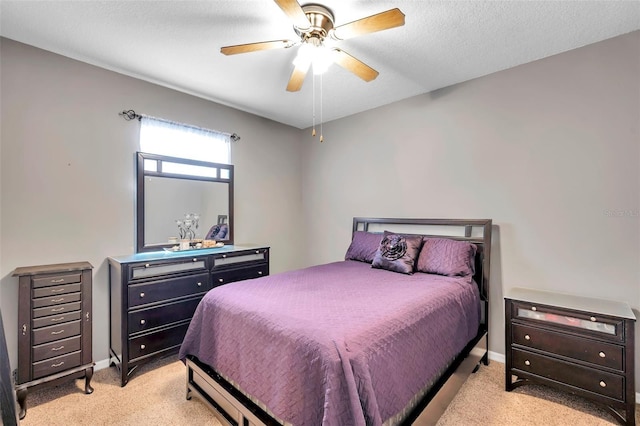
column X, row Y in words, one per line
column 155, row 395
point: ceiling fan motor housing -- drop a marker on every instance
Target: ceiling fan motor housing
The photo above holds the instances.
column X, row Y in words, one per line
column 321, row 20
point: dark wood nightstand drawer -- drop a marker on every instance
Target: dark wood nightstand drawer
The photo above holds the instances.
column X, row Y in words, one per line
column 56, row 319
column 56, row 332
column 56, row 300
column 158, row 316
column 600, row 326
column 156, row 291
column 56, row 290
column 56, row 280
column 230, row 276
column 149, row 344
column 56, row 309
column 596, row 381
column 54, row 365
column 57, row 348
column 599, row 353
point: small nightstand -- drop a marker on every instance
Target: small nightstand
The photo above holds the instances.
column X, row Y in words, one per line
column 576, row 344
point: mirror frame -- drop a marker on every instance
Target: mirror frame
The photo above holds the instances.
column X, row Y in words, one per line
column 141, row 173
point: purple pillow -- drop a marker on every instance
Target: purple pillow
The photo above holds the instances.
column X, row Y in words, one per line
column 448, row 257
column 397, row 252
column 363, row 246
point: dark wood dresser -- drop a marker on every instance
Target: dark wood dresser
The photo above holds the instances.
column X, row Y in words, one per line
column 154, row 295
column 54, row 326
column 576, row 344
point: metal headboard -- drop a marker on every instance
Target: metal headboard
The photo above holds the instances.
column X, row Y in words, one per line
column 476, row 231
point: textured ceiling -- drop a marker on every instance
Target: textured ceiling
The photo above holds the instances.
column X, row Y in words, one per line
column 177, row 44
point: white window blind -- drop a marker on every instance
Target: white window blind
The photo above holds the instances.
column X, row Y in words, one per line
column 165, row 137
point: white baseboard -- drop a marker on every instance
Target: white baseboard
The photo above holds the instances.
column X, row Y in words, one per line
column 101, row 365
column 495, row 356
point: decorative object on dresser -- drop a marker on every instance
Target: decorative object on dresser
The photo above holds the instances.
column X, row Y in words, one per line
column 577, row 344
column 154, row 295
column 54, row 326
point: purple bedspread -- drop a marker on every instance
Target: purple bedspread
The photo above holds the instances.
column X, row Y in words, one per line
column 335, row 344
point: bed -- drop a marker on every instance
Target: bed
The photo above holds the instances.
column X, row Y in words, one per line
column 385, row 337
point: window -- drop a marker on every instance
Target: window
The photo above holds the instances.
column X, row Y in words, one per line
column 179, row 140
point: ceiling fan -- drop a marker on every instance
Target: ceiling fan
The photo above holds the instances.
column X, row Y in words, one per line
column 314, row 24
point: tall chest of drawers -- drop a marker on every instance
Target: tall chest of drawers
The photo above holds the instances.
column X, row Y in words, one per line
column 54, row 326
column 576, row 344
column 154, row 295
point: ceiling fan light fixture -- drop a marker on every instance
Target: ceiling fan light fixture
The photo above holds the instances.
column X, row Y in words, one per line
column 314, row 54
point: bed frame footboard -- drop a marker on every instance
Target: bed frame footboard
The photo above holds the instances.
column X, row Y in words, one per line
column 231, row 407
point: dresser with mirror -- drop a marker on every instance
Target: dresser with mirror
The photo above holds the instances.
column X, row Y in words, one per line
column 155, row 291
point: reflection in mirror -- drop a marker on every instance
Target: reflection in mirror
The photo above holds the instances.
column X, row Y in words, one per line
column 181, row 200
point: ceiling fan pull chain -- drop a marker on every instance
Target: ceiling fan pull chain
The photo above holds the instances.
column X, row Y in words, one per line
column 321, row 137
column 313, row 102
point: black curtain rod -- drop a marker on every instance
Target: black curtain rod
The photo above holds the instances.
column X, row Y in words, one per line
column 132, row 115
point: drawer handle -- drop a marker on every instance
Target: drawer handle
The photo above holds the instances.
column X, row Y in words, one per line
column 220, row 280
column 62, row 319
column 58, row 300
column 257, row 251
column 602, row 355
column 195, row 259
column 143, row 347
column 593, row 319
column 57, row 309
column 61, row 280
column 58, row 349
column 199, row 284
column 259, row 272
column 58, row 364
column 224, row 256
column 527, row 337
column 57, row 332
column 58, row 290
column 533, row 308
column 603, row 384
column 141, row 294
column 526, row 362
column 146, row 265
column 142, row 322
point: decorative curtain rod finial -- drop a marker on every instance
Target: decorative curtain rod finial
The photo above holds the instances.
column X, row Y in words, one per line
column 129, row 115
column 234, row 137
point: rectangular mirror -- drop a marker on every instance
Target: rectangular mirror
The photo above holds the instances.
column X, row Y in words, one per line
column 179, row 199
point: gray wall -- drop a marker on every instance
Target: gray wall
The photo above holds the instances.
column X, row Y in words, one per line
column 68, row 172
column 549, row 150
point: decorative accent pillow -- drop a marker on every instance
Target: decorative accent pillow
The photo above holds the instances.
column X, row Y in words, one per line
column 397, row 252
column 444, row 256
column 363, row 246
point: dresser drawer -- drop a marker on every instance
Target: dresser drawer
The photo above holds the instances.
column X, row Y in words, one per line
column 150, row 318
column 56, row 319
column 56, row 300
column 158, row 269
column 56, row 290
column 56, row 280
column 232, row 275
column 596, row 381
column 56, row 332
column 54, row 365
column 599, row 326
column 234, row 259
column 598, row 353
column 56, row 309
column 159, row 341
column 57, row 348
column 156, row 291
